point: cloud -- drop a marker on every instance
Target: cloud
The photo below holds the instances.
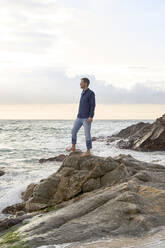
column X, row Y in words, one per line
column 138, row 67
column 30, row 26
column 52, row 85
column 124, row 76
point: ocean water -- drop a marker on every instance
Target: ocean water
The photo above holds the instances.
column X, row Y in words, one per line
column 24, row 142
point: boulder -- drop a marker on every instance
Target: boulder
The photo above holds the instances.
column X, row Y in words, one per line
column 142, row 136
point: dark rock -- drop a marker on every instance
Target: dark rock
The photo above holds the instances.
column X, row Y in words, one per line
column 135, row 130
column 99, row 138
column 12, row 221
column 124, row 144
column 60, row 158
column 110, row 139
column 142, row 136
column 13, row 209
column 1, row 173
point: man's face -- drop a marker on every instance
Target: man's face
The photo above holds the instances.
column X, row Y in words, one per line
column 82, row 84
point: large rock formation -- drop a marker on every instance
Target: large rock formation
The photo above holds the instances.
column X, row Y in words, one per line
column 95, row 197
column 142, row 136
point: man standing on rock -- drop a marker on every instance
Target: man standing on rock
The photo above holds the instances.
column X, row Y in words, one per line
column 84, row 117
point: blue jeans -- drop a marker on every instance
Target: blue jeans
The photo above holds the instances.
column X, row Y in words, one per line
column 87, row 128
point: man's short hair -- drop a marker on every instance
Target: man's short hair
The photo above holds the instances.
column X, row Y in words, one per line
column 86, row 80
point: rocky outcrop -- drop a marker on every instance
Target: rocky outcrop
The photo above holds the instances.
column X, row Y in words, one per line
column 95, row 197
column 142, row 136
column 59, row 158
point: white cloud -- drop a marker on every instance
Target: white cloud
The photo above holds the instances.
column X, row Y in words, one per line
column 125, row 76
column 51, row 85
column 41, row 33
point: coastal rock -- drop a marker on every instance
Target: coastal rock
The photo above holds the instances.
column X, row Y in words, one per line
column 12, row 221
column 142, row 136
column 99, row 138
column 60, row 158
column 13, row 209
column 96, row 197
column 29, row 192
column 76, row 175
column 1, row 173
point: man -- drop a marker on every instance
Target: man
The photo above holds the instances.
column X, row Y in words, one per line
column 84, row 117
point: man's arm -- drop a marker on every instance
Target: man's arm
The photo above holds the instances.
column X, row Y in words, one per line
column 92, row 104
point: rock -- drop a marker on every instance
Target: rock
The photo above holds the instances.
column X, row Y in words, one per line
column 20, row 213
column 124, row 144
column 95, row 197
column 137, row 129
column 99, row 138
column 12, row 221
column 1, row 173
column 111, row 139
column 142, row 136
column 60, row 158
column 13, row 209
column 29, row 192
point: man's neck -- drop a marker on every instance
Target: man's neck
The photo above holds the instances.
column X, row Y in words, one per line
column 85, row 89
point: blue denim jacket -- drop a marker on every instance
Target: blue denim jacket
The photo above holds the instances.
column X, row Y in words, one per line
column 87, row 104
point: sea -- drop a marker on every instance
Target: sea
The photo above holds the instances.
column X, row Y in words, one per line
column 24, row 142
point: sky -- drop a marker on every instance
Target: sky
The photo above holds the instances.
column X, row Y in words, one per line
column 46, row 46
